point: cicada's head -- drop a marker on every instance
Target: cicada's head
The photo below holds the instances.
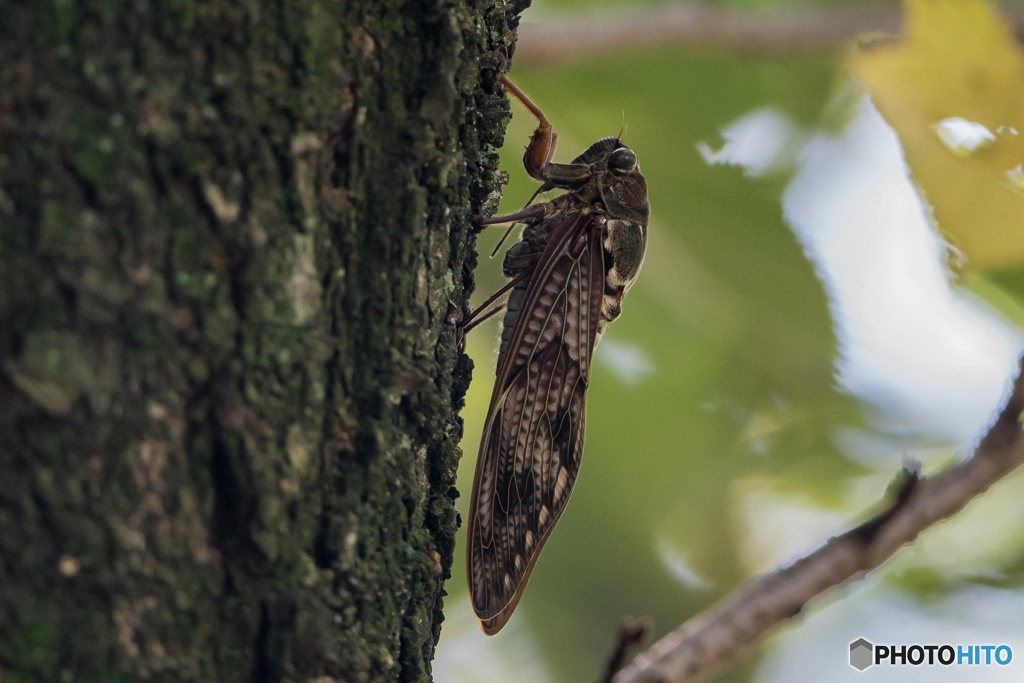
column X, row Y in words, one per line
column 622, row 185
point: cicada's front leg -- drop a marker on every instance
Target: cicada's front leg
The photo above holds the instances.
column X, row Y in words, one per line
column 541, row 151
column 542, row 145
column 537, row 161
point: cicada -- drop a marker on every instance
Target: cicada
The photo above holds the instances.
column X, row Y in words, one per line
column 579, row 255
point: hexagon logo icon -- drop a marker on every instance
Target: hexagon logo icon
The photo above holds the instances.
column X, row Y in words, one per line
column 861, row 654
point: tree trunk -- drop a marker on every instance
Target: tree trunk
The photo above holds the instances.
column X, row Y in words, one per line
column 233, row 250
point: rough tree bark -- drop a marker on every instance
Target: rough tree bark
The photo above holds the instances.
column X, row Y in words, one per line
column 233, row 250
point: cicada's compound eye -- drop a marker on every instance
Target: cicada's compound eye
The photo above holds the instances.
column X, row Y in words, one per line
column 622, row 159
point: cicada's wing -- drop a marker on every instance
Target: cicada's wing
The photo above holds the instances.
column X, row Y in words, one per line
column 533, row 436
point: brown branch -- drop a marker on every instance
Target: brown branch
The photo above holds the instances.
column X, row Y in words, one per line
column 796, row 27
column 719, row 635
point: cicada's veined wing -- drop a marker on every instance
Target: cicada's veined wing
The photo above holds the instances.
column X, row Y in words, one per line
column 533, row 436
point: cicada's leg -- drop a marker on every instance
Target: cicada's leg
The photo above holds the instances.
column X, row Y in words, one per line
column 534, row 211
column 542, row 145
column 541, row 150
column 471, row 321
column 466, row 327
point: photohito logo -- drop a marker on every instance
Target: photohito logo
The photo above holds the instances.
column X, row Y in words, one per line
column 863, row 654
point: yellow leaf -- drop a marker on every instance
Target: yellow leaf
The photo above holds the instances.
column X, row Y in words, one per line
column 953, row 89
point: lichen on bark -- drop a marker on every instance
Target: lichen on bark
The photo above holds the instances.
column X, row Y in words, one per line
column 233, row 251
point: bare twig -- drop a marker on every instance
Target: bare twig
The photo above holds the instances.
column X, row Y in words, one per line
column 797, row 27
column 628, row 636
column 742, row 619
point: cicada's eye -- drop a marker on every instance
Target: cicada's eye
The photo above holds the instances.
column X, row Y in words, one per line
column 622, row 159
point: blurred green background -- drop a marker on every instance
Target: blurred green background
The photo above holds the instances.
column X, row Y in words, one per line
column 719, row 440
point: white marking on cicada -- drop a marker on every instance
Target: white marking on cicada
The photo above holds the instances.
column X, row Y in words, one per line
column 563, row 476
column 556, row 463
column 611, row 306
column 508, row 582
column 484, row 513
column 573, row 319
column 510, row 415
column 543, row 515
column 555, row 314
column 564, row 390
column 627, row 242
column 557, row 381
column 541, row 447
column 519, row 563
column 529, row 540
column 484, row 506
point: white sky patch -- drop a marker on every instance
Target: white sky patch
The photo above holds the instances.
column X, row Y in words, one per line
column 758, row 142
column 627, row 361
column 782, row 527
column 465, row 655
column 963, row 137
column 677, row 565
column 927, row 356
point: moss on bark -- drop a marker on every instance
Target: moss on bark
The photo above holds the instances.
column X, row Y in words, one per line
column 233, row 250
